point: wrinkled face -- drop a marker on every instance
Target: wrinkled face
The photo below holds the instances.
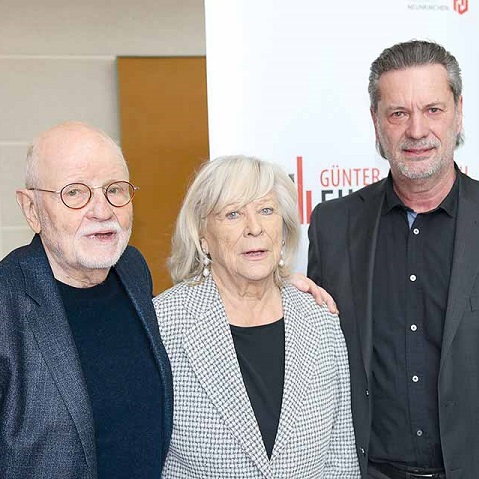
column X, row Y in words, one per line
column 79, row 242
column 417, row 122
column 245, row 243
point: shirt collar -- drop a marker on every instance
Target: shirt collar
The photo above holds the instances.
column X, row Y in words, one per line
column 448, row 204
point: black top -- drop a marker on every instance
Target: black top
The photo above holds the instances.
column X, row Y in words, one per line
column 122, row 378
column 260, row 351
column 411, row 284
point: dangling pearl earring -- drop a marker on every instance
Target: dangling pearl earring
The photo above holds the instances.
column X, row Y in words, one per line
column 206, row 260
column 281, row 260
column 206, row 265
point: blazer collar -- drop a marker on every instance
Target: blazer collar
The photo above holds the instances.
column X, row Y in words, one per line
column 301, row 361
column 141, row 297
column 364, row 223
column 210, row 350
column 465, row 264
column 140, row 294
column 52, row 332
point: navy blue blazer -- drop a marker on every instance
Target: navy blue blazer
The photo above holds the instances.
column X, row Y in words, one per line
column 343, row 235
column 46, row 422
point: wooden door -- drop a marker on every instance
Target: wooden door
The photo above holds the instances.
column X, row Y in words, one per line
column 164, row 136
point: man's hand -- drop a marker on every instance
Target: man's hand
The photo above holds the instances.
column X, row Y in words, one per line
column 319, row 294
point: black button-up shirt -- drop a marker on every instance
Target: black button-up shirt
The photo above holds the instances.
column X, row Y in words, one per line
column 411, row 284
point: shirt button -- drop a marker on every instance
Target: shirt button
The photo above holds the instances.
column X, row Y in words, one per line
column 367, row 392
column 419, row 432
column 362, row 451
column 413, row 327
column 415, row 379
column 415, row 231
column 412, row 277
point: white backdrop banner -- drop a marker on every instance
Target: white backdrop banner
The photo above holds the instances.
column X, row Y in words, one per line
column 287, row 82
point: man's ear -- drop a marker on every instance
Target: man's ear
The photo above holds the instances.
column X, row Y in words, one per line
column 459, row 115
column 374, row 117
column 25, row 199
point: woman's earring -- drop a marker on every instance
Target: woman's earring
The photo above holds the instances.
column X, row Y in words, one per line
column 281, row 260
column 206, row 264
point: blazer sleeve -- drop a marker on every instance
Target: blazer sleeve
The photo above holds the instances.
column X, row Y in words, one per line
column 342, row 460
column 314, row 257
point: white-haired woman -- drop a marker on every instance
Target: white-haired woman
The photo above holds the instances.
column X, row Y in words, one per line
column 260, row 371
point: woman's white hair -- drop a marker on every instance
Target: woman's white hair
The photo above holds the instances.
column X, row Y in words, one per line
column 231, row 180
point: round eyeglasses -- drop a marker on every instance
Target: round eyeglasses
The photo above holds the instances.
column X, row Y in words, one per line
column 78, row 195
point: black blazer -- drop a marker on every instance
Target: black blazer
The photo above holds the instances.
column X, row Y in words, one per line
column 46, row 423
column 343, row 235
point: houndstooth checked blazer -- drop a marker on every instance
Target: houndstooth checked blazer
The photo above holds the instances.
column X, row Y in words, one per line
column 215, row 433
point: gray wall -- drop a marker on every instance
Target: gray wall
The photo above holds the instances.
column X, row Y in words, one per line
column 57, row 63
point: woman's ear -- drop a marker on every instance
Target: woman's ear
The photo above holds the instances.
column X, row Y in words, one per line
column 204, row 245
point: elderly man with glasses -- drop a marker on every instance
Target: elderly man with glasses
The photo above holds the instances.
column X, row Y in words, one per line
column 85, row 383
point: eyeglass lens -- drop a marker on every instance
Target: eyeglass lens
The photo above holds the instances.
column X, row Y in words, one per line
column 119, row 193
column 77, row 195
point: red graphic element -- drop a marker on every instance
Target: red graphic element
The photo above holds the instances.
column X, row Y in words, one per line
column 299, row 175
column 303, row 218
column 461, row 6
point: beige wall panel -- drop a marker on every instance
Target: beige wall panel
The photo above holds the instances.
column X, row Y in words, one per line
column 12, row 162
column 92, row 27
column 40, row 92
column 11, row 238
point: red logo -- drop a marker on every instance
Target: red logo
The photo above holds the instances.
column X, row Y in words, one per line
column 461, row 6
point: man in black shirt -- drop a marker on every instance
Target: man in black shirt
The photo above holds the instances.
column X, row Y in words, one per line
column 85, row 383
column 400, row 258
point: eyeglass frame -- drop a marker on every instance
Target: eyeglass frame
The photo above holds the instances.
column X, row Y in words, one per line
column 91, row 188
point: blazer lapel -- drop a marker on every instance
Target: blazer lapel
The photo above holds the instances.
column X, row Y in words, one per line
column 465, row 267
column 142, row 301
column 210, row 350
column 141, row 297
column 363, row 234
column 51, row 330
column 298, row 369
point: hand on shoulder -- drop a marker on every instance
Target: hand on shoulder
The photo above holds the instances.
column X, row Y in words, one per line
column 320, row 295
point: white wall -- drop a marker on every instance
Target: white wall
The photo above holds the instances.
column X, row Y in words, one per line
column 57, row 63
column 288, row 82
